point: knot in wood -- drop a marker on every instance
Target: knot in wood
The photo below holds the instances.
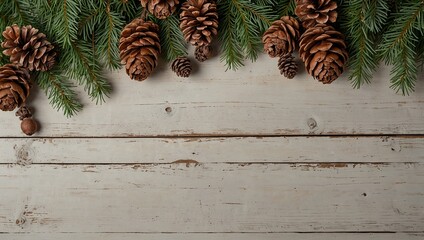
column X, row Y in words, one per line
column 312, row 124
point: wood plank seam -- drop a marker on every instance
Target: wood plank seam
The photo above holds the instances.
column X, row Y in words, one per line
column 206, row 136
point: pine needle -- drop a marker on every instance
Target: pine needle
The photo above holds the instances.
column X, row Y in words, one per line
column 362, row 26
column 82, row 65
column 400, row 43
column 171, row 38
column 59, row 90
column 241, row 24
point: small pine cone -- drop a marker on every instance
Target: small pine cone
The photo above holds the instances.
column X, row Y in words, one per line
column 287, row 66
column 281, row 37
column 15, row 85
column 312, row 12
column 203, row 53
column 28, row 48
column 199, row 21
column 181, row 66
column 139, row 48
column 323, row 50
column 160, row 8
column 23, row 112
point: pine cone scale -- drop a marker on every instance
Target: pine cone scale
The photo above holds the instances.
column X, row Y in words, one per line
column 312, row 12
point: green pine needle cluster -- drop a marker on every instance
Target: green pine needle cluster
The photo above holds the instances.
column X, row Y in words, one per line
column 241, row 24
column 171, row 38
column 86, row 35
column 392, row 31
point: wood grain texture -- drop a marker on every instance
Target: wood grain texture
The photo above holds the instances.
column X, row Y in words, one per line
column 212, row 198
column 256, row 100
column 213, row 236
column 212, row 150
column 97, row 176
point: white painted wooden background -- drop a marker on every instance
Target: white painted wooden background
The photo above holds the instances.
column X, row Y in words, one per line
column 222, row 155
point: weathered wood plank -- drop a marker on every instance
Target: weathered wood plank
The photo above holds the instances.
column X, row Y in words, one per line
column 212, row 198
column 253, row 101
column 213, row 236
column 210, row 150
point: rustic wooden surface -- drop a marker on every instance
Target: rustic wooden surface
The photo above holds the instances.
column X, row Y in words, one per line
column 222, row 155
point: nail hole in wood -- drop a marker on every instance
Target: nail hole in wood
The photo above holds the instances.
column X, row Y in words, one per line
column 364, row 194
column 168, row 109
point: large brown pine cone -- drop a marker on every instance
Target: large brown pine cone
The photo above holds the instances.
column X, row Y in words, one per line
column 281, row 37
column 312, row 12
column 160, row 8
column 287, row 66
column 199, row 21
column 139, row 48
column 181, row 66
column 15, row 85
column 28, row 48
column 323, row 50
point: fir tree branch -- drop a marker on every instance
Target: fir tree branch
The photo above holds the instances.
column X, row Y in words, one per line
column 107, row 40
column 232, row 51
column 409, row 18
column 420, row 55
column 249, row 36
column 19, row 17
column 65, row 21
column 261, row 15
column 83, row 66
column 87, row 23
column 285, row 7
column 171, row 38
column 400, row 43
column 265, row 2
column 404, row 72
column 59, row 91
column 375, row 14
column 355, row 20
column 363, row 59
column 241, row 26
column 128, row 9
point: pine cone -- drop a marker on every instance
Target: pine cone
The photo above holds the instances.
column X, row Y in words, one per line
column 281, row 37
column 203, row 53
column 23, row 112
column 160, row 8
column 139, row 48
column 312, row 12
column 323, row 50
column 181, row 66
column 199, row 21
column 15, row 85
column 28, row 48
column 287, row 66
